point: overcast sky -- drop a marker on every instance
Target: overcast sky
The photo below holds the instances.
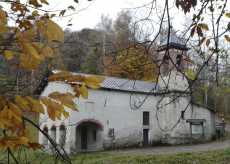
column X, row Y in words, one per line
column 89, row 17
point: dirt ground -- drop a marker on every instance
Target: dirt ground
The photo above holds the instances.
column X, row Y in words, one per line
column 182, row 148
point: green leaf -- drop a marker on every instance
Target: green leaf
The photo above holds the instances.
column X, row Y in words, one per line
column 191, row 74
column 205, row 88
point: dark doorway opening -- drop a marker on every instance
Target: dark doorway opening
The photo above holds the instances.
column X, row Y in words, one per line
column 84, row 137
column 145, row 137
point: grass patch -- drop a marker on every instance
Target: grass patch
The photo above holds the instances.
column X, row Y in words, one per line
column 213, row 156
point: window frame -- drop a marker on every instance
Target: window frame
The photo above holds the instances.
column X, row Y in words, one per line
column 145, row 118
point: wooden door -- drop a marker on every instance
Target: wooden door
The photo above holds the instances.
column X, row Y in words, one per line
column 145, row 137
column 84, row 137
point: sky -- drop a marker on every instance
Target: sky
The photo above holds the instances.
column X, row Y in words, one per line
column 89, row 17
column 89, row 13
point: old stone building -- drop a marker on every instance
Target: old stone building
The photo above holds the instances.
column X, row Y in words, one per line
column 126, row 113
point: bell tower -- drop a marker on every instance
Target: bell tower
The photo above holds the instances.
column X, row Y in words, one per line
column 171, row 54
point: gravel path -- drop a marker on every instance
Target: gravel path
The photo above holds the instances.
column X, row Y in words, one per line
column 174, row 149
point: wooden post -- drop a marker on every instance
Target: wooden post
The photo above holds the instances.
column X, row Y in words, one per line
column 191, row 132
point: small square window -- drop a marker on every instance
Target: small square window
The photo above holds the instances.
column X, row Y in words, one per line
column 145, row 118
column 94, row 135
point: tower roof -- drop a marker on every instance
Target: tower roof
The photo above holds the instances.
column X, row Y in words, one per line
column 174, row 41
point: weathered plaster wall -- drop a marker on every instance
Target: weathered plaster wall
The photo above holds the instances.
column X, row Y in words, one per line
column 106, row 109
column 200, row 112
column 175, row 103
column 174, row 81
column 112, row 109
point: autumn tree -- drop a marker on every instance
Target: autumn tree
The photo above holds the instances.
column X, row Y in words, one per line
column 133, row 63
column 27, row 47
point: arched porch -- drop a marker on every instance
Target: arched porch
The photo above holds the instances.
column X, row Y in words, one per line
column 89, row 135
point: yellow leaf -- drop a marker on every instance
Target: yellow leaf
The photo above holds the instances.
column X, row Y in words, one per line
column 8, row 54
column 207, row 42
column 29, row 35
column 71, row 106
column 202, row 40
column 3, row 19
column 15, row 147
column 35, row 104
column 16, row 110
column 44, row 1
column 34, row 62
column 228, row 15
column 25, row 62
column 56, row 30
column 61, row 97
column 66, row 114
column 51, row 113
column 199, row 31
column 227, row 38
column 33, row 50
column 62, row 13
column 2, row 144
column 37, row 145
column 16, row 31
column 61, row 76
column 209, row 57
column 58, row 114
column 8, row 144
column 49, row 66
column 52, row 107
column 16, row 140
column 51, row 104
column 3, row 29
column 93, row 81
column 69, row 95
column 191, row 74
column 76, row 88
column 192, row 31
column 40, row 25
column 76, row 78
column 3, row 123
column 189, row 60
column 203, row 26
column 22, row 103
column 2, row 104
column 47, row 51
column 84, row 91
column 49, row 36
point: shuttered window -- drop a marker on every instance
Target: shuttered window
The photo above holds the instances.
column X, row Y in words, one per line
column 145, row 118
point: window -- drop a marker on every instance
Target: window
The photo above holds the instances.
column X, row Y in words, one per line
column 94, row 135
column 145, row 118
column 197, row 129
column 45, row 140
column 62, row 135
column 182, row 115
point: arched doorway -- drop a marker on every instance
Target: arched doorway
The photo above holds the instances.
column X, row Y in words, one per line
column 89, row 135
column 62, row 135
column 44, row 138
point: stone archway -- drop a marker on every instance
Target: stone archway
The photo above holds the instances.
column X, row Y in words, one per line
column 89, row 135
column 91, row 120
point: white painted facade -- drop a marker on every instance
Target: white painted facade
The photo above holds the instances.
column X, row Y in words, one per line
column 111, row 108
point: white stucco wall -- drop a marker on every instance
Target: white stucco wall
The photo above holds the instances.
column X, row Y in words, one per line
column 112, row 109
